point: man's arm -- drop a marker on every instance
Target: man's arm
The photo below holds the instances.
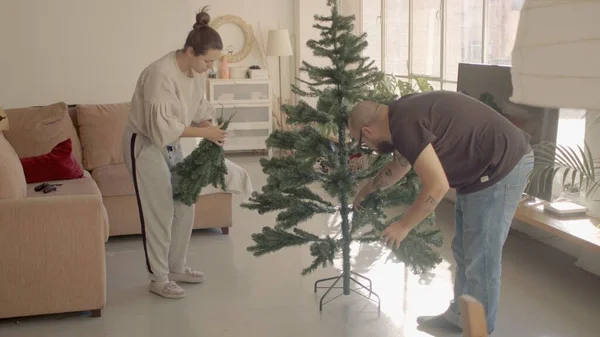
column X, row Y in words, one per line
column 435, row 185
column 388, row 176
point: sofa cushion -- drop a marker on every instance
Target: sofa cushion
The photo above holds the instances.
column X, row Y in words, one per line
column 70, row 187
column 12, row 177
column 101, row 129
column 36, row 130
column 114, row 180
column 58, row 164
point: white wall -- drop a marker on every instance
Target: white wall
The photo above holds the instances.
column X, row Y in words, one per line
column 353, row 7
column 84, row 51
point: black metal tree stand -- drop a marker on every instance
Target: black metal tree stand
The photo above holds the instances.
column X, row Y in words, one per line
column 347, row 290
column 346, row 273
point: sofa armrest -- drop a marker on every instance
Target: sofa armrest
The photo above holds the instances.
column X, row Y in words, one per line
column 81, row 215
column 53, row 255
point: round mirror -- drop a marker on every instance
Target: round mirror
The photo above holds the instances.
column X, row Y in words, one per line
column 236, row 35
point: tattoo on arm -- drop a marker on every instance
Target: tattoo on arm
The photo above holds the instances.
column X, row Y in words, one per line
column 380, row 179
column 386, row 177
column 430, row 204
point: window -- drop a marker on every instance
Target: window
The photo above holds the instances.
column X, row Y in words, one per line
column 371, row 24
column 430, row 38
column 396, row 36
column 571, row 133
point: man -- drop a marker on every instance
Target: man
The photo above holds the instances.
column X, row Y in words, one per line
column 452, row 140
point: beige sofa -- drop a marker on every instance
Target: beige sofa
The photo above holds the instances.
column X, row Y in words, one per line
column 52, row 245
column 100, row 128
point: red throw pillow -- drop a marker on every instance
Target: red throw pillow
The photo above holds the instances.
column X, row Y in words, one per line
column 59, row 164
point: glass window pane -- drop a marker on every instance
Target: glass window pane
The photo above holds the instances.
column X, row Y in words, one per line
column 502, row 22
column 464, row 30
column 426, row 41
column 396, row 36
column 435, row 84
column 449, row 86
column 371, row 24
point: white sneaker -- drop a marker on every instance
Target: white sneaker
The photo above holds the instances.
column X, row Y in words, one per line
column 167, row 289
column 188, row 276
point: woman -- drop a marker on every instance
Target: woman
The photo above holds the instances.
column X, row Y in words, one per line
column 168, row 104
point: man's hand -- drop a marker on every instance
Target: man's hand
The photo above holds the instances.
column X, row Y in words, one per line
column 388, row 176
column 394, row 234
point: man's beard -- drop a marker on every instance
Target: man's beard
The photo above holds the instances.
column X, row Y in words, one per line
column 385, row 148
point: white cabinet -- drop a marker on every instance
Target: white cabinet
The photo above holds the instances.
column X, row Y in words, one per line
column 250, row 100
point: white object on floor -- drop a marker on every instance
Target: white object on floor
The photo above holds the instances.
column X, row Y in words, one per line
column 237, row 181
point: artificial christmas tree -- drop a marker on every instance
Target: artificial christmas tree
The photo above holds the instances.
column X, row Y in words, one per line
column 349, row 79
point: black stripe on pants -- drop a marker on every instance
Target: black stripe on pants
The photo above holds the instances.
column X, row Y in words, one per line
column 139, row 200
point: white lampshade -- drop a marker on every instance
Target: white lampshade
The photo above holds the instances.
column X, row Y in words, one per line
column 279, row 43
column 556, row 57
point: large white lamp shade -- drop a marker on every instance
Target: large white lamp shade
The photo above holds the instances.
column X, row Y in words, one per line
column 278, row 43
column 556, row 57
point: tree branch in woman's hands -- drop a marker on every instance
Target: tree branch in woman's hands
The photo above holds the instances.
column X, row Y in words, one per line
column 215, row 134
column 212, row 133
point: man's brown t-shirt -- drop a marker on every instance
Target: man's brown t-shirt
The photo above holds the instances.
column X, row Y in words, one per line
column 476, row 145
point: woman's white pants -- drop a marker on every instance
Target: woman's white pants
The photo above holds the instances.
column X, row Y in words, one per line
column 166, row 224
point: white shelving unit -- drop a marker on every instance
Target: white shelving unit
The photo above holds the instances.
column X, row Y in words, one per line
column 250, row 100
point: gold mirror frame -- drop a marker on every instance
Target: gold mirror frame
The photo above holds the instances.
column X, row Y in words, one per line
column 248, row 37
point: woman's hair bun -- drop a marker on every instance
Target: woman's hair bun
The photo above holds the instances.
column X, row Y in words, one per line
column 202, row 18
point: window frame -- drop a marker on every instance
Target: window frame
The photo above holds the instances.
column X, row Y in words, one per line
column 441, row 78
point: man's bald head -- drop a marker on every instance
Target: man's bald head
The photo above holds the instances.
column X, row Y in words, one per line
column 364, row 113
column 368, row 121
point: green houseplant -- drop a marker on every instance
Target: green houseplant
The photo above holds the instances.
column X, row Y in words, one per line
column 576, row 166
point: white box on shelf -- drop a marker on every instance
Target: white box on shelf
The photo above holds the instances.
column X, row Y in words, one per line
column 259, row 73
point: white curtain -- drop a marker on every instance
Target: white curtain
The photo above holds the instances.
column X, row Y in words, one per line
column 556, row 57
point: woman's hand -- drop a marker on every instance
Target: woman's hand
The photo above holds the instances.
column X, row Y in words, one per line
column 215, row 134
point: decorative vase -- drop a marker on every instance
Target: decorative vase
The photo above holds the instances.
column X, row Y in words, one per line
column 224, row 68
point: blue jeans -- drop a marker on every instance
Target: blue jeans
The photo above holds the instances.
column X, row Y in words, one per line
column 483, row 219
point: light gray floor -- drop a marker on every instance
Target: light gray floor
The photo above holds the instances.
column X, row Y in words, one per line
column 543, row 293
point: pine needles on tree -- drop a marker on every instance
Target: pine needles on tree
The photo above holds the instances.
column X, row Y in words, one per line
column 349, row 79
column 204, row 166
